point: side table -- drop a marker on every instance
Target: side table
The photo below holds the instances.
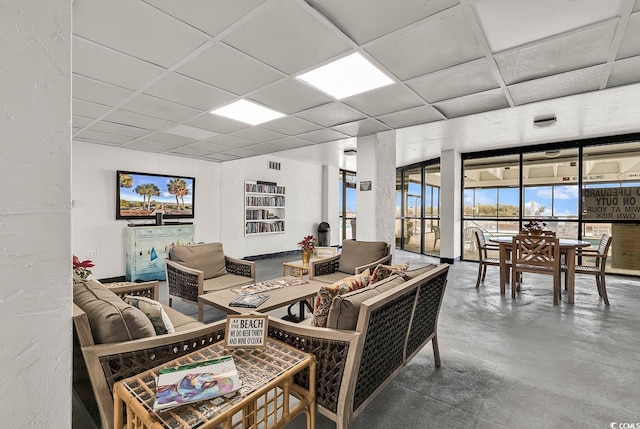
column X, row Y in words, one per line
column 262, row 402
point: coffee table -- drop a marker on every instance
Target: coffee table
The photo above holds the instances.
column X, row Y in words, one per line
column 277, row 298
column 263, row 402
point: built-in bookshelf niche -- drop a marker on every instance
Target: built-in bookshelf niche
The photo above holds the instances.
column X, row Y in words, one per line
column 264, row 208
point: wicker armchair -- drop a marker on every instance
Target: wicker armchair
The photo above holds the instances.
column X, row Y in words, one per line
column 190, row 272
column 355, row 258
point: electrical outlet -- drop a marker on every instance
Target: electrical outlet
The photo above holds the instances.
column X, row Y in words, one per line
column 92, row 254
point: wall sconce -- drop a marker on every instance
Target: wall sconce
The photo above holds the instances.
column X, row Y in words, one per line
column 544, row 121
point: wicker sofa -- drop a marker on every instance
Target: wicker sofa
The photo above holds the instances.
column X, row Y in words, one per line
column 197, row 269
column 103, row 306
column 392, row 326
column 355, row 258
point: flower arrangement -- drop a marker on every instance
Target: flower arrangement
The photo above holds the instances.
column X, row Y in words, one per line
column 535, row 226
column 81, row 268
column 307, row 243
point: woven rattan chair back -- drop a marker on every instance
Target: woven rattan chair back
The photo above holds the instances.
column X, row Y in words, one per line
column 536, row 253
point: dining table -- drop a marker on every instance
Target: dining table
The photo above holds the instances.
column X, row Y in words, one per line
column 567, row 250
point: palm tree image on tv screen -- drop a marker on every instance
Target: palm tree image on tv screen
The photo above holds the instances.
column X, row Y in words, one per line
column 144, row 195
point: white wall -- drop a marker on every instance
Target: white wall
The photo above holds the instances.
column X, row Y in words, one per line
column 219, row 200
column 95, row 227
column 303, row 189
column 35, row 214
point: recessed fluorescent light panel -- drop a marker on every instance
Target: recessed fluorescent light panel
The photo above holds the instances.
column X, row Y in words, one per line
column 347, row 76
column 247, row 112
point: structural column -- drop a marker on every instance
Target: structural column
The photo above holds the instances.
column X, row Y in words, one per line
column 376, row 202
column 450, row 205
column 330, row 202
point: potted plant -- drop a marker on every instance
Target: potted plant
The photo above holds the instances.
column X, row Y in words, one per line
column 81, row 268
column 306, row 247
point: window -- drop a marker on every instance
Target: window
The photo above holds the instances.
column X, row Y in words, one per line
column 347, row 205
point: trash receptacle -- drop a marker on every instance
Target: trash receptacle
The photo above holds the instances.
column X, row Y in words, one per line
column 323, row 234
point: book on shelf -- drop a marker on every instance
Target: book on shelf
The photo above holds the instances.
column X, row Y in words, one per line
column 195, row 382
column 249, row 301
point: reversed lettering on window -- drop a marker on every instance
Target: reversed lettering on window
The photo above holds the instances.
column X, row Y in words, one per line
column 611, row 203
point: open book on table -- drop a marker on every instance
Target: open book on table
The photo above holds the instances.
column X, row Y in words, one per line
column 196, row 382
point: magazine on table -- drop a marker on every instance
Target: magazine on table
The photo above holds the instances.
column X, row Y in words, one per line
column 268, row 285
column 196, row 382
column 249, row 301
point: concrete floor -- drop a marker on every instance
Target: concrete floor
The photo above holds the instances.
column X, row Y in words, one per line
column 521, row 363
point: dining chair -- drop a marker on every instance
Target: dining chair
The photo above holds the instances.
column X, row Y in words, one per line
column 536, row 253
column 436, row 235
column 484, row 260
column 597, row 268
column 470, row 242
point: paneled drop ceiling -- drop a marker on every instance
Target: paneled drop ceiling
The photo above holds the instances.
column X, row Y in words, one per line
column 466, row 73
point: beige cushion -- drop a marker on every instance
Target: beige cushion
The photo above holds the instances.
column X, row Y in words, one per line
column 208, row 258
column 412, row 274
column 154, row 311
column 357, row 253
column 327, row 293
column 331, row 278
column 111, row 319
column 180, row 321
column 345, row 308
column 226, row 282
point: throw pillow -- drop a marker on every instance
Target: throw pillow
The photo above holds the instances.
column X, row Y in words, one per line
column 325, row 296
column 154, row 311
column 381, row 272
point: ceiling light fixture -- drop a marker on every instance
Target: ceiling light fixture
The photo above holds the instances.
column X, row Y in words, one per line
column 350, row 152
column 347, row 76
column 552, row 153
column 248, row 112
column 544, row 121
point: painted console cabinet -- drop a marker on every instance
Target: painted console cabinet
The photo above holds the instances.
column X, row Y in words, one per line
column 146, row 248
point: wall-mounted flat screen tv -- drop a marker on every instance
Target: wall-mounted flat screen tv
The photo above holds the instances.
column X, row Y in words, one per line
column 143, row 195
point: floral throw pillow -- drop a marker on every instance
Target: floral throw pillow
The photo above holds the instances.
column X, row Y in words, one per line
column 381, row 272
column 327, row 293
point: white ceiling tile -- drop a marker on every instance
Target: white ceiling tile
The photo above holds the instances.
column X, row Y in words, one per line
column 355, row 17
column 290, row 96
column 475, row 103
column 171, row 139
column 88, row 109
column 137, row 120
column 119, row 129
column 258, row 134
column 332, row 114
column 102, row 137
column 231, row 141
column 228, row 69
column 210, row 16
column 242, row 152
column 630, row 46
column 98, row 92
column 151, row 146
column 159, row 108
column 406, row 118
column 189, row 92
column 560, row 85
column 190, row 151
column 508, row 23
column 636, row 7
column 322, row 136
column 433, row 45
column 135, row 28
column 101, row 63
column 264, row 148
column 464, row 79
column 361, row 128
column 290, row 125
column 585, row 48
column 290, row 143
column 190, row 132
column 210, row 147
column 624, row 72
column 385, row 100
column 80, row 121
column 285, row 36
column 220, row 157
